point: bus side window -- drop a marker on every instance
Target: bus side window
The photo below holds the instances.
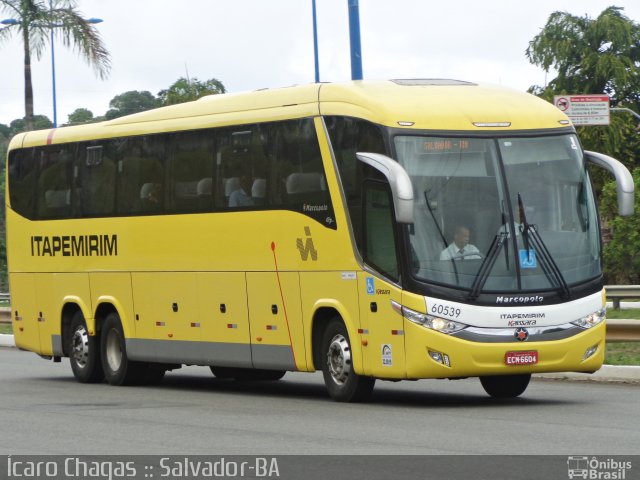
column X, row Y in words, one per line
column 55, row 182
column 349, row 136
column 379, row 232
column 298, row 172
column 22, row 182
column 140, row 184
column 190, row 167
column 97, row 180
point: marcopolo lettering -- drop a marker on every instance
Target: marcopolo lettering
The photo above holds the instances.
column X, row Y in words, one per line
column 74, row 246
column 533, row 299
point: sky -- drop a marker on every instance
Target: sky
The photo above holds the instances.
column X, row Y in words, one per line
column 254, row 44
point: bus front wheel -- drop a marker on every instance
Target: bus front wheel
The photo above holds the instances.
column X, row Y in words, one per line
column 342, row 382
column 83, row 350
column 118, row 369
column 505, row 386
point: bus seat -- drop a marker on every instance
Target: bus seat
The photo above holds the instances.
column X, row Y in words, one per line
column 259, row 190
column 231, row 185
column 145, row 190
column 304, row 182
column 57, row 198
column 205, row 187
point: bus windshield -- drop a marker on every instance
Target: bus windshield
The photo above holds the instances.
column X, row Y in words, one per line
column 501, row 214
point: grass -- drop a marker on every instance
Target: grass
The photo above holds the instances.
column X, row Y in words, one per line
column 621, row 314
column 6, row 328
column 622, row 353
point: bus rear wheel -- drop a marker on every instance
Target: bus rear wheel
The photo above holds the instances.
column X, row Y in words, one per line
column 505, row 386
column 118, row 369
column 84, row 351
column 342, row 382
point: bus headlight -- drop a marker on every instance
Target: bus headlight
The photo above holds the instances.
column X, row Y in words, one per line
column 438, row 324
column 592, row 319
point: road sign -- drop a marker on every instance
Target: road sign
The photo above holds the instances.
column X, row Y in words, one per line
column 584, row 109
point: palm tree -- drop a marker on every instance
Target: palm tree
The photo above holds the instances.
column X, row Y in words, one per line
column 35, row 21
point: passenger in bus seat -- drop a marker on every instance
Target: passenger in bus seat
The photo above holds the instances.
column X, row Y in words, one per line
column 242, row 196
column 460, row 248
column 151, row 195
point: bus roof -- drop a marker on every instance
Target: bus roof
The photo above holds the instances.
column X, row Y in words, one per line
column 430, row 104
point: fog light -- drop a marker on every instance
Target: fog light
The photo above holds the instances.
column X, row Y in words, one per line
column 441, row 358
column 436, row 356
column 590, row 352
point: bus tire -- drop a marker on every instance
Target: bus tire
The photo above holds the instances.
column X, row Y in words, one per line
column 505, row 386
column 118, row 369
column 342, row 382
column 247, row 374
column 84, row 351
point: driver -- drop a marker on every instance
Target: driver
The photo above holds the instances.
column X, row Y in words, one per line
column 460, row 248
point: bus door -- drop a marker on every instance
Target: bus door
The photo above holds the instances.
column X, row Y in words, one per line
column 275, row 313
column 382, row 327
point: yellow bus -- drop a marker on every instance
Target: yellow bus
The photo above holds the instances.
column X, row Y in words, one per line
column 403, row 229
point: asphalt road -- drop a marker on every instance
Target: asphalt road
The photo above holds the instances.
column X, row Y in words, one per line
column 44, row 411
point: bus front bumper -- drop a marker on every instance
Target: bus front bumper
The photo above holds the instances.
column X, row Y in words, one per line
column 430, row 354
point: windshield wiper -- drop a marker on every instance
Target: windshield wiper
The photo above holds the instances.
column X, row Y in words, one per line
column 487, row 264
column 547, row 263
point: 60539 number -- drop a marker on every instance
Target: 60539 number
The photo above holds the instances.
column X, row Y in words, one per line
column 445, row 310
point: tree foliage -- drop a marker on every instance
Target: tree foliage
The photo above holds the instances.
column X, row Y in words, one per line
column 621, row 259
column 600, row 56
column 186, row 90
column 35, row 20
column 131, row 102
column 80, row 116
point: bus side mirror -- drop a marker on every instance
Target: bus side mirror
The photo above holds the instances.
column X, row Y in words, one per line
column 399, row 181
column 624, row 180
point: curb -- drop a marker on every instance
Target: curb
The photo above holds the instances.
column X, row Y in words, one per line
column 608, row 373
column 7, row 340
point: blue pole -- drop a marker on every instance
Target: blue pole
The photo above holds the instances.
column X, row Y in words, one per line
column 354, row 36
column 53, row 77
column 315, row 41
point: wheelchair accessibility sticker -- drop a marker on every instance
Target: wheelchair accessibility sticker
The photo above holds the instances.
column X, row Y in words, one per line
column 371, row 289
column 528, row 259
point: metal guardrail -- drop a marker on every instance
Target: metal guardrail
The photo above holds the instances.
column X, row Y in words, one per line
column 5, row 297
column 617, row 330
column 615, row 293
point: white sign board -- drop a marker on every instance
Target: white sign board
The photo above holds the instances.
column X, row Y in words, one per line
column 584, row 109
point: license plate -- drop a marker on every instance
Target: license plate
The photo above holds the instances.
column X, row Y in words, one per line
column 521, row 358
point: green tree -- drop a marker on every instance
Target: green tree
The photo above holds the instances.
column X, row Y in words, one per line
column 186, row 90
column 80, row 116
column 621, row 259
column 599, row 56
column 131, row 102
column 35, row 20
column 38, row 122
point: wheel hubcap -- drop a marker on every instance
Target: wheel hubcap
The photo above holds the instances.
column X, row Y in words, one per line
column 80, row 347
column 114, row 352
column 339, row 359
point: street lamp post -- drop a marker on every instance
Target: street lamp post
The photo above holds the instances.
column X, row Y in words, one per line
column 354, row 36
column 315, row 41
column 53, row 66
